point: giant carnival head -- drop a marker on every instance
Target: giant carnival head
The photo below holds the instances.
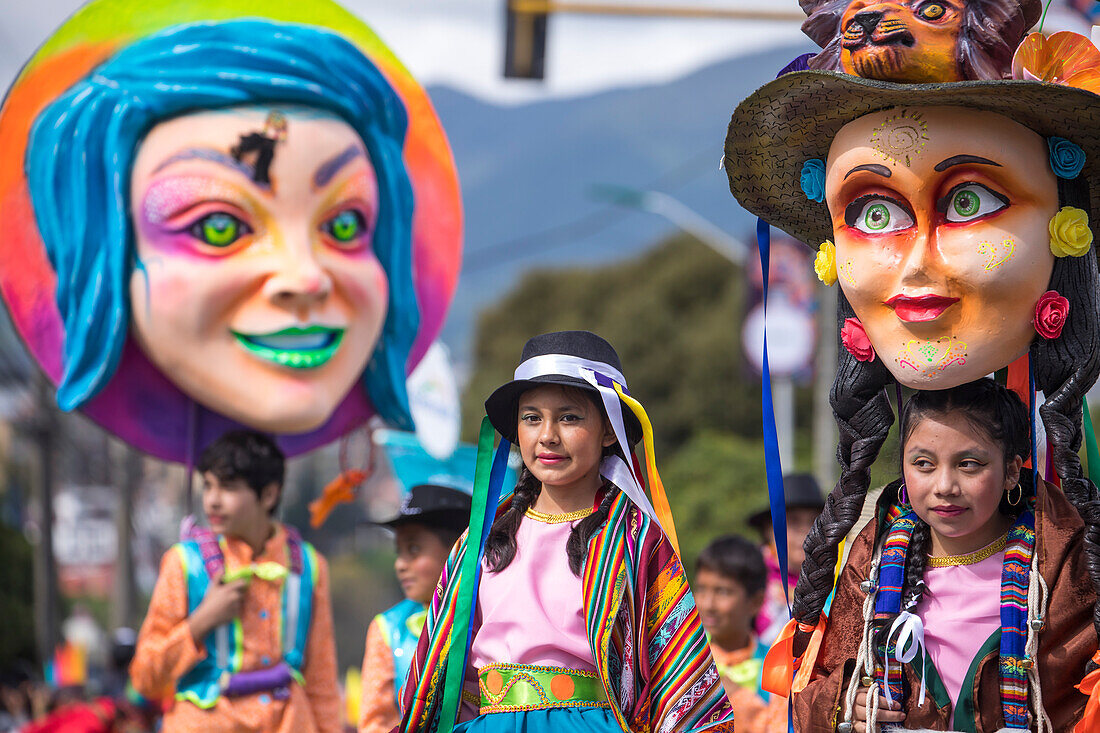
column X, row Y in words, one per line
column 957, row 218
column 246, row 220
column 918, row 40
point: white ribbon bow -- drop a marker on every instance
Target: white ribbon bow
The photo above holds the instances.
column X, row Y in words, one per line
column 910, row 640
column 613, row 467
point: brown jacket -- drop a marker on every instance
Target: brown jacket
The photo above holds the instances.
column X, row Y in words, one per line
column 1066, row 642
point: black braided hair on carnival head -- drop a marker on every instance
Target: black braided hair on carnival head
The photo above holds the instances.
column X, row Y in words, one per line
column 994, row 412
column 863, row 414
column 500, row 546
column 1065, row 368
column 991, row 30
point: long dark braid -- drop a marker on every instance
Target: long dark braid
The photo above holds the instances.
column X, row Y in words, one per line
column 1065, row 368
column 500, row 548
column 863, row 414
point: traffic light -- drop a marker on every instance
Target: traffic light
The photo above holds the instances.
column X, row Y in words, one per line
column 525, row 42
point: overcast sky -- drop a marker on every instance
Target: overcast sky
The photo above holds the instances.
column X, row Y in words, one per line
column 461, row 42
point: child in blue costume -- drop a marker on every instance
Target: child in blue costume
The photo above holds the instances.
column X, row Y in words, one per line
column 584, row 620
column 431, row 519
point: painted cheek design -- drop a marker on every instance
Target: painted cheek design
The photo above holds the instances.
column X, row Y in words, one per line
column 997, row 254
column 847, row 272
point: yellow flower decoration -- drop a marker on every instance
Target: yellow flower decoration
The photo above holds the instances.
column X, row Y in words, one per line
column 1070, row 235
column 825, row 263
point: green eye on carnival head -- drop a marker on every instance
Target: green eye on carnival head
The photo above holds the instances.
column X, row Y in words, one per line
column 966, row 203
column 877, row 217
column 218, row 229
column 347, row 226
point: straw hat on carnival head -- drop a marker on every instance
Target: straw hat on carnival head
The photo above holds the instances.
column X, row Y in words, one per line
column 963, row 210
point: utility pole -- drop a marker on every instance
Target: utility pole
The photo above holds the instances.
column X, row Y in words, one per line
column 526, row 23
column 124, row 592
column 44, row 426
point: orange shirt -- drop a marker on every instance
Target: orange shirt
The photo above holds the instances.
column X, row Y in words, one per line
column 166, row 651
column 750, row 713
column 378, row 705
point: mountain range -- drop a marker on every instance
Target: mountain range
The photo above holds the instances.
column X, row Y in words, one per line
column 528, row 173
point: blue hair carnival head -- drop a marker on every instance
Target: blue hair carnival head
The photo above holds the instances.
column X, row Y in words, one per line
column 82, row 147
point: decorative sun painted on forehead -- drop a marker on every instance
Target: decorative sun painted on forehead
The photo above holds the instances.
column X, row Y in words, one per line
column 902, row 136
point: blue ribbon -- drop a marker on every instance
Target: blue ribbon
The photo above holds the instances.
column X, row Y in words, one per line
column 772, row 462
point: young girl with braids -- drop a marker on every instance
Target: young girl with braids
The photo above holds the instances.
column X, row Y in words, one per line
column 583, row 618
column 971, row 574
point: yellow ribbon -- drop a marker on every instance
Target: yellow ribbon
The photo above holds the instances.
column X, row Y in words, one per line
column 270, row 571
column 656, row 486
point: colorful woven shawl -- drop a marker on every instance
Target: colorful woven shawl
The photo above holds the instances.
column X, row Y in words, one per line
column 1015, row 577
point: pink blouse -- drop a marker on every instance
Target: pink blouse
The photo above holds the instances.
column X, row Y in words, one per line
column 531, row 612
column 960, row 609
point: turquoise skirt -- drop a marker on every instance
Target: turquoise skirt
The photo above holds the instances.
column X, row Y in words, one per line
column 546, row 720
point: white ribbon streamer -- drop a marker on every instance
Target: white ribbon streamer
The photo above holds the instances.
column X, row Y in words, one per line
column 910, row 640
column 613, row 468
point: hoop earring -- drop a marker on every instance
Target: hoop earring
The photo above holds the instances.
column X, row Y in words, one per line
column 1019, row 495
column 903, row 495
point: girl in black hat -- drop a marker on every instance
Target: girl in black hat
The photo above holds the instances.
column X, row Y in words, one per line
column 583, row 620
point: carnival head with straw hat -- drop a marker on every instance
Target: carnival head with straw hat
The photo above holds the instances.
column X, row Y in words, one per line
column 958, row 220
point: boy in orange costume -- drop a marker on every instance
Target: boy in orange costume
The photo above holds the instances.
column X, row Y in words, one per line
column 240, row 623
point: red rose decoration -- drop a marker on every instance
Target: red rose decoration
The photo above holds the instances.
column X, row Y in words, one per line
column 855, row 340
column 1050, row 314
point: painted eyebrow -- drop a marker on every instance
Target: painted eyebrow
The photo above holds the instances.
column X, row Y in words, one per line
column 962, row 159
column 209, row 154
column 871, row 167
column 328, row 170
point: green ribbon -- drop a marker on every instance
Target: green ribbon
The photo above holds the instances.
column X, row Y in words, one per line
column 270, row 571
column 1091, row 452
column 466, row 579
column 529, row 687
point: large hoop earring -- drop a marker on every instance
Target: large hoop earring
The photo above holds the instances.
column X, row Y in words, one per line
column 1019, row 495
column 903, row 495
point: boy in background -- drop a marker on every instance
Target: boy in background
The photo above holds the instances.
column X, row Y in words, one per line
column 804, row 501
column 730, row 578
column 427, row 526
column 239, row 627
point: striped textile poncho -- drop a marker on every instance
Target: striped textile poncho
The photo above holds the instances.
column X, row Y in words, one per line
column 644, row 631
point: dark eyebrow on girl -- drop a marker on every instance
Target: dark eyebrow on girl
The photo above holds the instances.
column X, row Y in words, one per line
column 871, row 167
column 961, row 159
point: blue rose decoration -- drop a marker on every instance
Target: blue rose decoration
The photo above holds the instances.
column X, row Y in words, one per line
column 813, row 179
column 1066, row 158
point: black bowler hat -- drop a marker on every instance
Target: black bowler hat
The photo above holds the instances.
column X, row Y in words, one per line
column 801, row 492
column 434, row 506
column 537, row 366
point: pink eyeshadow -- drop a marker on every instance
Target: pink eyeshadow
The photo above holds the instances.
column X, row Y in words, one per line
column 169, row 196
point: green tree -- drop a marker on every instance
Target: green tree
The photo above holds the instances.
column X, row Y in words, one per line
column 16, row 594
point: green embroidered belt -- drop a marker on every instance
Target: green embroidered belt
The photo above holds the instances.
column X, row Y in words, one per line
column 509, row 688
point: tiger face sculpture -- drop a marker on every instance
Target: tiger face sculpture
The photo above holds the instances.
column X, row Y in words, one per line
column 918, row 41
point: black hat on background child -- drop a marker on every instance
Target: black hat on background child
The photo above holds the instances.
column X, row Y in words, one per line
column 555, row 358
column 801, row 491
column 433, row 505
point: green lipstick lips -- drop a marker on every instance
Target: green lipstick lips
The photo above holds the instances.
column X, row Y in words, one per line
column 295, row 347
